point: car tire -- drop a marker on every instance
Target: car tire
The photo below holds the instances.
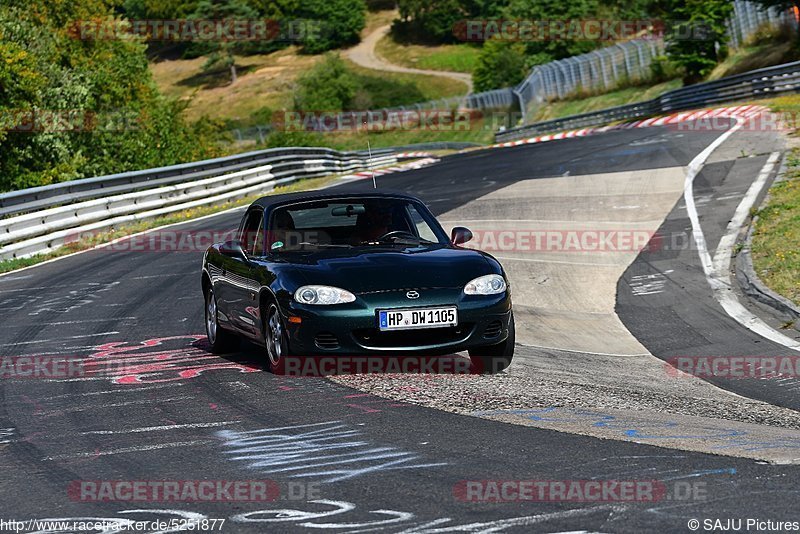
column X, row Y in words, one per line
column 219, row 339
column 275, row 339
column 492, row 359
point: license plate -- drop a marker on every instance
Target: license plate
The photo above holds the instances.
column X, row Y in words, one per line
column 408, row 319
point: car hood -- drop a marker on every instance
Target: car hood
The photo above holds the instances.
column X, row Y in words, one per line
column 361, row 270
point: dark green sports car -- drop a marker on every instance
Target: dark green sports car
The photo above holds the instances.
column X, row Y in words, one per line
column 353, row 274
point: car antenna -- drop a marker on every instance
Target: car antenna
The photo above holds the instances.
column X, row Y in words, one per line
column 369, row 150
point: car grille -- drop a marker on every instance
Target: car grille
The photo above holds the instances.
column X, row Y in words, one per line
column 326, row 341
column 372, row 337
column 493, row 330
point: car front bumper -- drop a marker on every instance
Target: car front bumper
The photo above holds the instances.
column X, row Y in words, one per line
column 352, row 329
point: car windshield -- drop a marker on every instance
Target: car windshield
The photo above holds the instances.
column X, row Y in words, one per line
column 348, row 223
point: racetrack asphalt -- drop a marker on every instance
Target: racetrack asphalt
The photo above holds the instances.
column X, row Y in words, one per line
column 160, row 407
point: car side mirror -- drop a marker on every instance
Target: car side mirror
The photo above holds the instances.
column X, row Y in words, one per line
column 233, row 249
column 460, row 235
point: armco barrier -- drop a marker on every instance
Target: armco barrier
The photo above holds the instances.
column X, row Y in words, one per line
column 767, row 82
column 42, row 197
column 143, row 195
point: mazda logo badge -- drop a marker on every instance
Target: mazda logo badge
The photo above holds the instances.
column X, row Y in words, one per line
column 412, row 295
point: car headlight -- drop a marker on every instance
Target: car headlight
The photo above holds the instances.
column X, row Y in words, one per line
column 491, row 284
column 323, row 295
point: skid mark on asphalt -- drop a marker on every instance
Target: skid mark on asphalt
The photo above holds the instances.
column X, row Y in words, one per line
column 128, row 450
column 162, row 428
column 152, row 361
column 330, row 450
column 92, row 407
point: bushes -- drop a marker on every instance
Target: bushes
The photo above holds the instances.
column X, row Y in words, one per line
column 697, row 44
column 500, row 64
column 331, row 86
column 341, row 23
column 327, row 86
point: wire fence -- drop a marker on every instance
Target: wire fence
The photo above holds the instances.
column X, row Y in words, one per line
column 766, row 82
column 748, row 18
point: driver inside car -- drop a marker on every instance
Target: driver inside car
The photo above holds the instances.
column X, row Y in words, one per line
column 375, row 222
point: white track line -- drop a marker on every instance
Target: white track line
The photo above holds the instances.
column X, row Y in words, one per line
column 716, row 270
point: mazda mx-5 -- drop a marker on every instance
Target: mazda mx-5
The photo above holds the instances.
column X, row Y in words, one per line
column 342, row 274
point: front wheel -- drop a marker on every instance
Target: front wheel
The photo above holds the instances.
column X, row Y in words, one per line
column 492, row 359
column 219, row 339
column 275, row 338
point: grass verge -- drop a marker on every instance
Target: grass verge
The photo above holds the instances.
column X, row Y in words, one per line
column 135, row 228
column 584, row 104
column 776, row 236
column 455, row 58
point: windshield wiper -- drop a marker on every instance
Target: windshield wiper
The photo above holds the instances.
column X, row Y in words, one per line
column 400, row 241
column 325, row 245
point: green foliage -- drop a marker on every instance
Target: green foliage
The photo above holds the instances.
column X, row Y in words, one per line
column 278, row 139
column 220, row 52
column 331, row 86
column 375, row 92
column 544, row 50
column 500, row 64
column 159, row 9
column 434, row 21
column 118, row 121
column 328, row 86
column 330, row 24
column 380, row 5
column 662, row 69
column 698, row 43
column 340, row 21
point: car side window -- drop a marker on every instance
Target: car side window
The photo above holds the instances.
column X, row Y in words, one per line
column 423, row 228
column 252, row 236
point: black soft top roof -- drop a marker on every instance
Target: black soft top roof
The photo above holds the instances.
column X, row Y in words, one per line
column 272, row 201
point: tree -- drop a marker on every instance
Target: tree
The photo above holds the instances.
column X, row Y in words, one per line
column 555, row 46
column 697, row 43
column 328, row 86
column 96, row 106
column 500, row 64
column 221, row 51
column 339, row 23
column 437, row 20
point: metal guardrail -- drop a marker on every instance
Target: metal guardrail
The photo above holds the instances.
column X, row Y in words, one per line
column 766, row 82
column 42, row 197
column 46, row 218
